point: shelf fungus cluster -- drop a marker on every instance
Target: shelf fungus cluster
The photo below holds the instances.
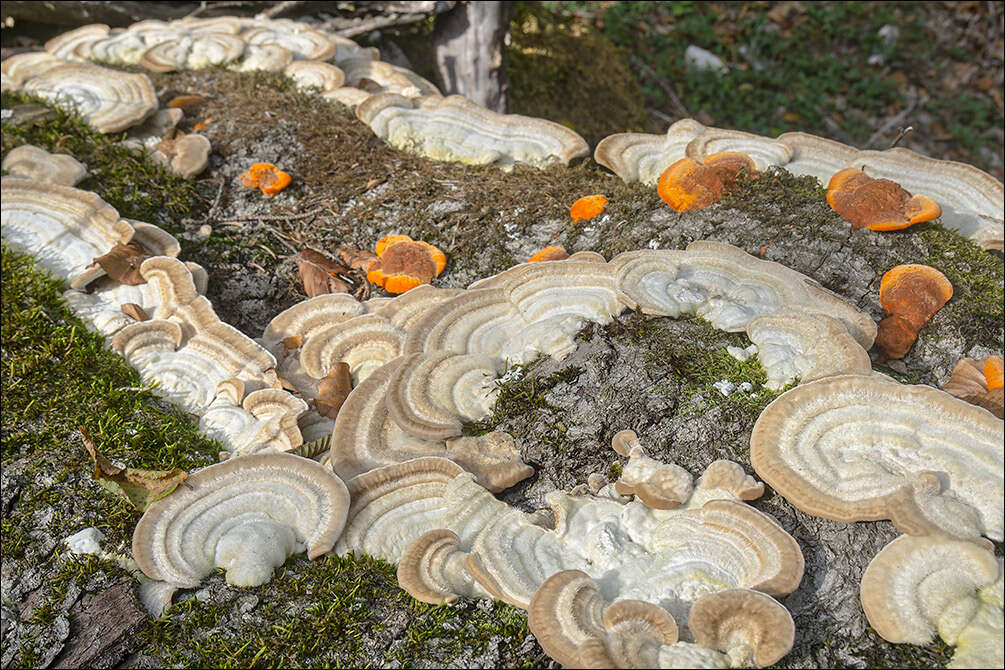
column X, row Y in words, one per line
column 965, row 198
column 108, row 100
column 865, row 447
column 654, row 569
column 455, row 129
column 694, row 580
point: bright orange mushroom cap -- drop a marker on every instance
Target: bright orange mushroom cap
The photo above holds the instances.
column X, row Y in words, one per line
column 877, row 204
column 911, row 295
column 267, row 177
column 587, row 207
column 403, row 263
column 552, row 253
column 994, row 372
column 729, row 164
column 688, row 185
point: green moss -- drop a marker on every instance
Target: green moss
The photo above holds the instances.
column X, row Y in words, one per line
column 522, row 393
column 323, row 614
column 976, row 310
column 55, row 377
column 567, row 72
column 691, row 366
column 138, row 188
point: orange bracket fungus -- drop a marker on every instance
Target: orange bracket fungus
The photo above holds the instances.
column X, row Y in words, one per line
column 403, row 263
column 994, row 372
column 267, row 177
column 587, row 207
column 688, row 185
column 551, row 253
column 910, row 295
column 877, row 204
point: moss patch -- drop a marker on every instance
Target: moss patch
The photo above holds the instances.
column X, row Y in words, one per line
column 567, row 72
column 136, row 187
column 334, row 612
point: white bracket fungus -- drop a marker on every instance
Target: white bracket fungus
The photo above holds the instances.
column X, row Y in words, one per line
column 63, row 227
column 39, row 165
column 108, row 100
column 246, row 515
column 862, row 448
column 644, row 157
column 728, row 288
column 792, row 345
column 456, row 129
column 917, row 586
column 315, row 74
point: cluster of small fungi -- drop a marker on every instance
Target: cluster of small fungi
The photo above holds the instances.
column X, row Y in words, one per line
column 343, row 422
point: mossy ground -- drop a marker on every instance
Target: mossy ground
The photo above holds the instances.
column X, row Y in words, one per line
column 350, row 188
column 853, row 72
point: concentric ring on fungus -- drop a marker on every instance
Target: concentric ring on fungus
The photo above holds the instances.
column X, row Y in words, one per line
column 418, row 492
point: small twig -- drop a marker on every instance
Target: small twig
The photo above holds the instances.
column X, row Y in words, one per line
column 204, row 6
column 288, row 217
column 897, row 120
column 197, row 11
column 216, row 201
column 369, row 25
column 282, row 238
column 675, row 101
column 660, row 115
column 281, row 7
column 900, row 135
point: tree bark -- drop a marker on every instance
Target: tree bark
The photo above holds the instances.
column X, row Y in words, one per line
column 468, row 46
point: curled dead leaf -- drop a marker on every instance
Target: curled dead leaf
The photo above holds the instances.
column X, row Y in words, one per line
column 140, row 487
column 122, row 263
column 333, row 390
column 131, row 309
column 321, row 274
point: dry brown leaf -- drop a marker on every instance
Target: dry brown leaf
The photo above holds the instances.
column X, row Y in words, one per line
column 333, row 390
column 122, row 263
column 140, row 487
column 357, row 259
column 321, row 274
column 133, row 310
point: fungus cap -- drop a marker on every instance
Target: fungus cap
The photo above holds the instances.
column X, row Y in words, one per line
column 688, row 185
column 265, row 176
column 747, row 625
column 455, row 129
column 109, row 100
column 877, row 204
column 644, row 157
column 863, row 448
column 404, row 263
column 972, row 201
column 245, row 514
column 917, row 586
column 910, row 295
column 587, row 207
column 37, row 164
column 762, row 151
column 433, row 569
column 550, row 253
